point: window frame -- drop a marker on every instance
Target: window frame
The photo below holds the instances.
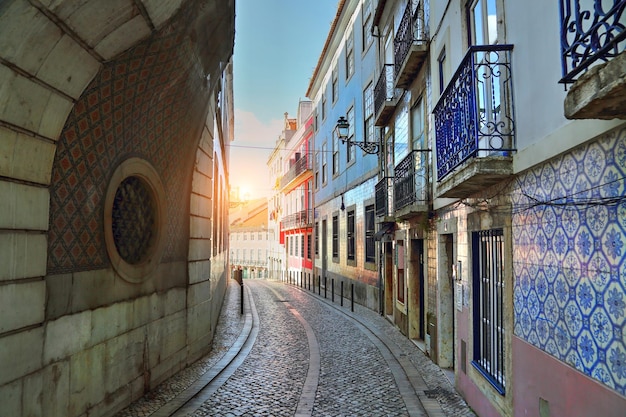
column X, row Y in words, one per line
column 351, row 235
column 369, row 220
column 335, row 237
column 489, row 324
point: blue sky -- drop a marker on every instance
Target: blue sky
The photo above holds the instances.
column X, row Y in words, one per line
column 277, row 45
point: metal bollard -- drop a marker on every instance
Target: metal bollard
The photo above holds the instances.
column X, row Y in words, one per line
column 342, row 293
column 319, row 285
column 325, row 286
column 332, row 289
column 352, row 298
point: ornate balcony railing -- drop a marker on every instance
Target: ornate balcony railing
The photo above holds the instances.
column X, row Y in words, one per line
column 411, row 31
column 302, row 218
column 474, row 116
column 410, row 185
column 301, row 165
column 385, row 95
column 384, row 197
column 591, row 30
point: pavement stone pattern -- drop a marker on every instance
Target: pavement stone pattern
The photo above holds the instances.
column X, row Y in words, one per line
column 270, row 380
column 354, row 379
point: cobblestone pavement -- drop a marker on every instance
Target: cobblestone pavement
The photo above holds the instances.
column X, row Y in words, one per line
column 354, row 377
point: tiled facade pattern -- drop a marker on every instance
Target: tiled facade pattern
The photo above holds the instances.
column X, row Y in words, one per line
column 569, row 236
column 135, row 107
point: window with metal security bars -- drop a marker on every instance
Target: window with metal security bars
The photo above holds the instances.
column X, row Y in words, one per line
column 335, row 244
column 317, row 239
column 302, row 246
column 370, row 247
column 351, row 235
column 308, row 246
column 489, row 326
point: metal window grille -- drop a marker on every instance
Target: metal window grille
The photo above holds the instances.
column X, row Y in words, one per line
column 351, row 243
column 335, row 237
column 370, row 250
column 489, row 326
column 317, row 238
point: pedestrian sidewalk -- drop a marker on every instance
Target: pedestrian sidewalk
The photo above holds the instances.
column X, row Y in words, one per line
column 231, row 324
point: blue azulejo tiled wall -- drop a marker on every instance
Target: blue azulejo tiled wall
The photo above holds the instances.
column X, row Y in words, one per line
column 569, row 229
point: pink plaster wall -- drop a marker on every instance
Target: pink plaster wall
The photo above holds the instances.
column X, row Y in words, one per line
column 468, row 390
column 569, row 392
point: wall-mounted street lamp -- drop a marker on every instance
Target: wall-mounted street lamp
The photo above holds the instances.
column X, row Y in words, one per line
column 342, row 129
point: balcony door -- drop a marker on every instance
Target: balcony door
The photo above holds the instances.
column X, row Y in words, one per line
column 491, row 78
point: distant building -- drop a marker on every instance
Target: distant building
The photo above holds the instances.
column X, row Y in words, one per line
column 250, row 238
column 296, row 187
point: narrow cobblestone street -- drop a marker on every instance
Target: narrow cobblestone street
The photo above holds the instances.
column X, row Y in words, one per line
column 364, row 366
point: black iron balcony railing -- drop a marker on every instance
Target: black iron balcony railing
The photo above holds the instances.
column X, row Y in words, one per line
column 301, row 165
column 302, row 218
column 410, row 185
column 411, row 31
column 591, row 30
column 474, row 116
column 384, row 197
column 384, row 91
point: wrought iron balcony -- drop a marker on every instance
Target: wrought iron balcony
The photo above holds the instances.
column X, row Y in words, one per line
column 410, row 185
column 593, row 34
column 385, row 96
column 297, row 220
column 384, row 198
column 474, row 123
column 591, row 30
column 410, row 44
column 298, row 170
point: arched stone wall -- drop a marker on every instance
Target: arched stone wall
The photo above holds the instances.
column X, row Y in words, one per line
column 83, row 87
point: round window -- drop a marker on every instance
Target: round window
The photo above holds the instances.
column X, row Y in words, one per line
column 132, row 220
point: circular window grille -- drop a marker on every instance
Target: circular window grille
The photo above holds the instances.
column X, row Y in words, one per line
column 133, row 220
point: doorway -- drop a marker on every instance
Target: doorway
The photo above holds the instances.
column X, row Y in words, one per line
column 417, row 319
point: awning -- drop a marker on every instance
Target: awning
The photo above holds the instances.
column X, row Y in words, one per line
column 385, row 229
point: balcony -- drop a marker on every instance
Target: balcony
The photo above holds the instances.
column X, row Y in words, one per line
column 384, row 200
column 385, row 96
column 297, row 220
column 474, row 123
column 410, row 185
column 410, row 44
column 593, row 58
column 301, row 168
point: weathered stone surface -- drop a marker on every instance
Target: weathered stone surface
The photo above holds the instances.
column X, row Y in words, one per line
column 56, row 393
column 20, row 354
column 600, row 93
column 86, row 379
column 11, row 399
column 199, row 271
column 66, row 336
column 25, row 157
column 123, row 37
column 161, row 11
column 124, row 359
column 15, row 312
column 31, row 106
column 23, row 206
column 111, row 321
column 23, row 255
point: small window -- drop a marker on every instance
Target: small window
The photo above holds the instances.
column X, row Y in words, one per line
column 350, row 236
column 367, row 24
column 370, row 251
column 334, row 85
column 351, row 149
column 441, row 63
column 335, row 243
column 317, row 238
column 349, row 55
